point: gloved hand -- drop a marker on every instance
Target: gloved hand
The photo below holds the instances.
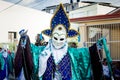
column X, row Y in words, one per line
column 99, row 45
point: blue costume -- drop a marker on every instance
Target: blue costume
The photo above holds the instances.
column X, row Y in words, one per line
column 6, row 65
column 74, row 66
column 57, row 61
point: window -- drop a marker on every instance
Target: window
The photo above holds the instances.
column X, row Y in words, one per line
column 12, row 36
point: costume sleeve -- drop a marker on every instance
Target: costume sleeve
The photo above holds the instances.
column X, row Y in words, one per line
column 36, row 51
column 1, row 62
column 10, row 63
column 96, row 62
column 81, row 69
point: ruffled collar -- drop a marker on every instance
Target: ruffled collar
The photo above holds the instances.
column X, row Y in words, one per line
column 58, row 54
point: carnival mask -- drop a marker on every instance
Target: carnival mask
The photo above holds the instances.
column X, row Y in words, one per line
column 59, row 36
column 60, row 28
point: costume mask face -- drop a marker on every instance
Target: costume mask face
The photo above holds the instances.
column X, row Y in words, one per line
column 60, row 28
column 59, row 36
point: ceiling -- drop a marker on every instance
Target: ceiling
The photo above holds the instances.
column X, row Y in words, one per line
column 41, row 4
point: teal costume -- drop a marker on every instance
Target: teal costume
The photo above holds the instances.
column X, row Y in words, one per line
column 80, row 60
column 1, row 62
column 73, row 63
column 79, row 57
column 8, row 61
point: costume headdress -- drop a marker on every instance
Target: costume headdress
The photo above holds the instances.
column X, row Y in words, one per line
column 60, row 18
column 23, row 32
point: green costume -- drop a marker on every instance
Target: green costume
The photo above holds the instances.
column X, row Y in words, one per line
column 50, row 62
column 5, row 61
column 57, row 61
column 80, row 62
column 1, row 62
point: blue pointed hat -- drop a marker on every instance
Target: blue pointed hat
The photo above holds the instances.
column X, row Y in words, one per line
column 60, row 17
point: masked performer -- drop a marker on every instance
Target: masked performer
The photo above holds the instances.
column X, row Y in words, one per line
column 6, row 65
column 57, row 61
column 23, row 59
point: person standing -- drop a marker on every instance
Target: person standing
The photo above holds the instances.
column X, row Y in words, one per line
column 6, row 62
column 106, row 72
column 23, row 63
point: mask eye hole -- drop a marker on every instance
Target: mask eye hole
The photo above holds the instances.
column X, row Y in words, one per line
column 61, row 39
column 55, row 38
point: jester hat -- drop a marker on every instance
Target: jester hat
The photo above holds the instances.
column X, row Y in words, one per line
column 60, row 18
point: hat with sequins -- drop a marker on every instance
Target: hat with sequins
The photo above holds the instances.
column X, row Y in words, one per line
column 60, row 18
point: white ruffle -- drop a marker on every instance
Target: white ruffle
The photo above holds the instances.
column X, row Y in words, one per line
column 58, row 54
column 43, row 57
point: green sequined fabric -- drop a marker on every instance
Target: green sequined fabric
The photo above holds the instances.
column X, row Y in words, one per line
column 80, row 59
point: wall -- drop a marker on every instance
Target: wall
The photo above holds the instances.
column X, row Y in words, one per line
column 91, row 10
column 18, row 17
column 103, row 9
column 109, row 26
column 115, row 42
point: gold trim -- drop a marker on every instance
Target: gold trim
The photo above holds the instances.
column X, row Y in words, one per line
column 64, row 27
column 46, row 34
column 61, row 5
column 75, row 35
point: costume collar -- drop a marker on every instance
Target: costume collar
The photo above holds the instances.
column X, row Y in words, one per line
column 58, row 54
